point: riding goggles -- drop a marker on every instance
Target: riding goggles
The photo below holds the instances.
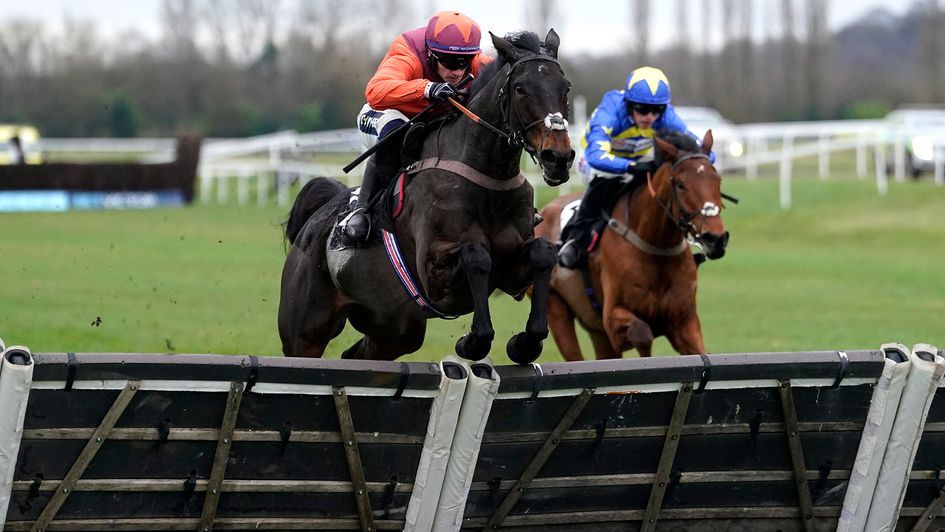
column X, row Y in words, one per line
column 453, row 61
column 648, row 109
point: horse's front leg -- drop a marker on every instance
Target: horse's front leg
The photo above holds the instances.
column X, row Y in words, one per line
column 476, row 262
column 627, row 331
column 686, row 337
column 525, row 347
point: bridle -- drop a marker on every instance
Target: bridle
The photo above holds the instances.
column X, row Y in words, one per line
column 516, row 137
column 684, row 219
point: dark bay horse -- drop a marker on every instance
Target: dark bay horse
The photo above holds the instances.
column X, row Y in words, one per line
column 464, row 229
column 643, row 274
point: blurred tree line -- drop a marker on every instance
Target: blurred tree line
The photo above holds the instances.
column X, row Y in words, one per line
column 245, row 67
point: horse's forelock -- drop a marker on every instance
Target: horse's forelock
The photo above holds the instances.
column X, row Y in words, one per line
column 523, row 40
column 679, row 139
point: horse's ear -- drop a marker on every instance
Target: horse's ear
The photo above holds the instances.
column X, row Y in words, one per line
column 506, row 50
column 668, row 151
column 551, row 43
column 707, row 142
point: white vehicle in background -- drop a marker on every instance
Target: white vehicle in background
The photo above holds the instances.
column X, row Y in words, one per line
column 918, row 130
column 29, row 144
column 727, row 142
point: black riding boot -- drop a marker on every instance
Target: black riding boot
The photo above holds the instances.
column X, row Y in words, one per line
column 357, row 225
column 378, row 171
column 576, row 234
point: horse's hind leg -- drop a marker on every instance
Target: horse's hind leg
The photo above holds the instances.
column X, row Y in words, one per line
column 309, row 311
column 561, row 323
column 525, row 347
column 385, row 339
column 477, row 264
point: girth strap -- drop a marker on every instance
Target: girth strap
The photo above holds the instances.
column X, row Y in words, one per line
column 403, row 274
column 467, row 172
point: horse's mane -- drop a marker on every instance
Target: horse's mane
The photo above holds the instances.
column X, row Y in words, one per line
column 523, row 40
column 680, row 139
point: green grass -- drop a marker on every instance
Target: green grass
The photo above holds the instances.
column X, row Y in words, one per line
column 843, row 269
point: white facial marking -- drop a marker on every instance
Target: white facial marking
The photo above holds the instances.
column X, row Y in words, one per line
column 710, row 209
column 556, row 121
column 701, row 169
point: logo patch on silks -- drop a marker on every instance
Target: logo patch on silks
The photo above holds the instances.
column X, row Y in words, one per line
column 631, row 145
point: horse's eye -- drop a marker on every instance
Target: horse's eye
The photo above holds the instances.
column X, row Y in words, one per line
column 518, row 89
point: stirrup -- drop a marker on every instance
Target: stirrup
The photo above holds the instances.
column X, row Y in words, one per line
column 569, row 256
column 353, row 228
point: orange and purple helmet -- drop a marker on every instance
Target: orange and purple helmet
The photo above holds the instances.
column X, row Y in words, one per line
column 452, row 32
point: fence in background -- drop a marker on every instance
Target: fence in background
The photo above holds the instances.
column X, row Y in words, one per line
column 267, row 166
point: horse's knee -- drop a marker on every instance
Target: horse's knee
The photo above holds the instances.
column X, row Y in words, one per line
column 639, row 334
column 627, row 331
column 475, row 259
column 542, row 255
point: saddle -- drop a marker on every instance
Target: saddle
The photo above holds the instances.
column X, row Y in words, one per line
column 391, row 200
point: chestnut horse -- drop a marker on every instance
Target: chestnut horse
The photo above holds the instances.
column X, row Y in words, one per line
column 463, row 228
column 643, row 273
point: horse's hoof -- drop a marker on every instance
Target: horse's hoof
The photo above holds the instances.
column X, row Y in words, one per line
column 522, row 349
column 469, row 348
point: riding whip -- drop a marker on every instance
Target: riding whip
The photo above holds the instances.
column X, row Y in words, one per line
column 370, row 151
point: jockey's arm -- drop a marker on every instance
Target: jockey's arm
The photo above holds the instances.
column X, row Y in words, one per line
column 398, row 82
column 598, row 152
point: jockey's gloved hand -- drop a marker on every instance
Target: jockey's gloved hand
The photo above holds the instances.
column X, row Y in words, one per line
column 642, row 168
column 440, row 91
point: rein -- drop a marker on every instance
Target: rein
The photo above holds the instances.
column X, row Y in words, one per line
column 552, row 121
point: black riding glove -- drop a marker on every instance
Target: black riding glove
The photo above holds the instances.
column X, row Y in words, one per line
column 440, row 91
column 642, row 168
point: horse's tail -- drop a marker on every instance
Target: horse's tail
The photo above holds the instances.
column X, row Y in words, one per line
column 313, row 195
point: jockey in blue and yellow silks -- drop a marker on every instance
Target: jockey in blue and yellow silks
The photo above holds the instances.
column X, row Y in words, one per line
column 618, row 151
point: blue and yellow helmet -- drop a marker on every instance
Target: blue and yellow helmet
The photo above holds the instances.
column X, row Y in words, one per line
column 647, row 85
